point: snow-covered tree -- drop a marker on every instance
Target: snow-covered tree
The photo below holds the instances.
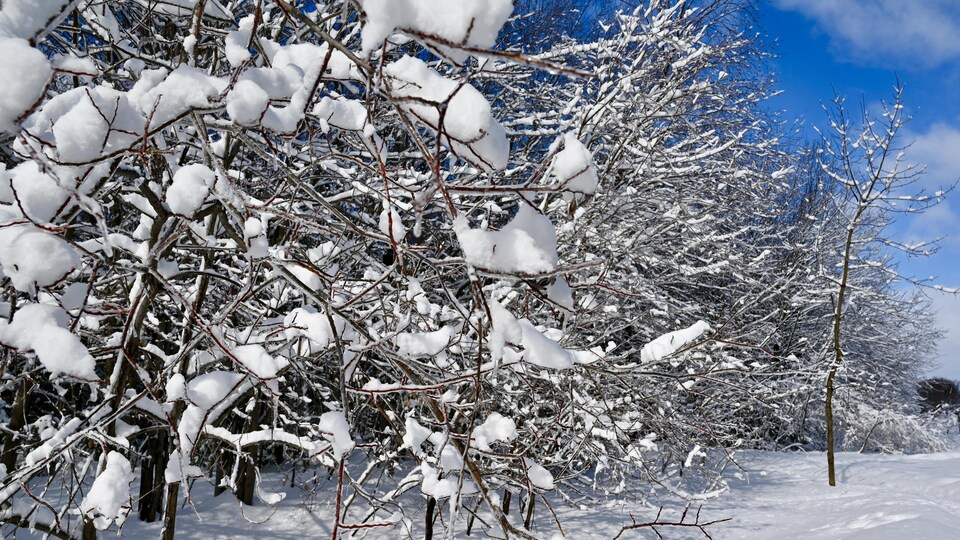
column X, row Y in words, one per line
column 872, row 180
column 239, row 226
column 429, row 247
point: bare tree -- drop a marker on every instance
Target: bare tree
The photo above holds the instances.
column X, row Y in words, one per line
column 864, row 160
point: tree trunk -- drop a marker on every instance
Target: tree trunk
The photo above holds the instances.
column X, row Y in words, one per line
column 473, row 515
column 89, row 531
column 173, row 488
column 428, row 519
column 532, row 499
column 152, row 469
column 218, row 487
column 248, row 477
column 147, row 488
column 828, row 410
column 170, row 512
column 837, row 353
column 11, row 445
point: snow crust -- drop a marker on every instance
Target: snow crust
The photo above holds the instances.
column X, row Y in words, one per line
column 777, row 496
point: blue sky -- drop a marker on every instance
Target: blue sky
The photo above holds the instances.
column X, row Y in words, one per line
column 859, row 48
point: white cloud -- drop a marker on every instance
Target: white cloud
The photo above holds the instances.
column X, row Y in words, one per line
column 948, row 318
column 938, row 222
column 937, row 149
column 922, row 32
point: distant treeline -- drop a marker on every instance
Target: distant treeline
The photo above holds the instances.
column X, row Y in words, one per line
column 939, row 392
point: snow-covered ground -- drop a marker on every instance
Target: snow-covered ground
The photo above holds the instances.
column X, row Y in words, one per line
column 781, row 496
column 877, row 497
column 786, row 496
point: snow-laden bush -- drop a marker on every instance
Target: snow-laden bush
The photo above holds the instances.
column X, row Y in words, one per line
column 864, row 429
column 234, row 228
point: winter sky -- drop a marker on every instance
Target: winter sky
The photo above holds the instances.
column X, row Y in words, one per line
column 859, row 48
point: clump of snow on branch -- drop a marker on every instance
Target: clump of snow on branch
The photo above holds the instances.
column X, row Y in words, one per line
column 461, row 22
column 313, row 325
column 496, row 428
column 391, row 224
column 42, row 328
column 573, row 167
column 540, row 350
column 24, row 73
column 336, row 430
column 26, row 18
column 205, row 393
column 190, row 188
column 425, row 344
column 258, row 361
column 32, row 257
column 528, row 244
column 670, row 343
column 539, row 476
column 504, row 329
column 456, row 111
column 108, row 500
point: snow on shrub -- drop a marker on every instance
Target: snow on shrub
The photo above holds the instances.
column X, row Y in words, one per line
column 109, row 500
